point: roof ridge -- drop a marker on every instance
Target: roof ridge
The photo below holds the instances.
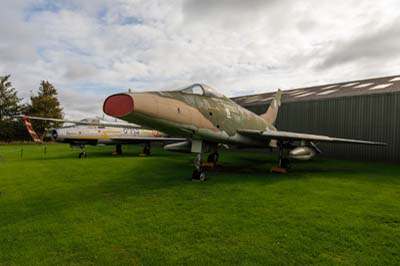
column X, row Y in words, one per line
column 316, row 86
column 369, row 86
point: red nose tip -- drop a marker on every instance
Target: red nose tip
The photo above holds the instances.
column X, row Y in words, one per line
column 118, row 105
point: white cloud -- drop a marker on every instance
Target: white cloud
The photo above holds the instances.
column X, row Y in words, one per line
column 90, row 49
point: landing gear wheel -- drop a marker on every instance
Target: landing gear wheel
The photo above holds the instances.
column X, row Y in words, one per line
column 199, row 175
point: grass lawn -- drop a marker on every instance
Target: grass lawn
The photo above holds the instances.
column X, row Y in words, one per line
column 58, row 210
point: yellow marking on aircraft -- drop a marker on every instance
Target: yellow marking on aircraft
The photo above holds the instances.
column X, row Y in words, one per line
column 112, row 131
column 143, row 133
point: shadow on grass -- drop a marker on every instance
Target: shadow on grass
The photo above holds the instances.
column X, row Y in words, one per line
column 259, row 160
column 236, row 169
column 117, row 187
column 162, row 175
column 93, row 155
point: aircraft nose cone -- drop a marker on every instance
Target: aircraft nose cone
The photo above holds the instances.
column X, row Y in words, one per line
column 118, row 105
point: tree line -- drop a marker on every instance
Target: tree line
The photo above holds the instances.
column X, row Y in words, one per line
column 45, row 104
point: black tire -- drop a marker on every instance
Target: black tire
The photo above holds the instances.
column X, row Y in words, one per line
column 199, row 175
column 202, row 176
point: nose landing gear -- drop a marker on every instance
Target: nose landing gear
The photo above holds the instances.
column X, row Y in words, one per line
column 198, row 173
column 199, row 147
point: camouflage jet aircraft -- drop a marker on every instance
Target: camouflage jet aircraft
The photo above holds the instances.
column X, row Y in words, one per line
column 99, row 132
column 208, row 119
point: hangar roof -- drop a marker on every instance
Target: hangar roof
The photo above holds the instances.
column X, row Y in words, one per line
column 343, row 89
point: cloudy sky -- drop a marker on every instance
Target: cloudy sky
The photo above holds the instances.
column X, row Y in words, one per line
column 90, row 49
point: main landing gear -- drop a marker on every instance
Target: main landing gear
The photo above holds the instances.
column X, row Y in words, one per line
column 82, row 154
column 283, row 163
column 118, row 150
column 146, row 150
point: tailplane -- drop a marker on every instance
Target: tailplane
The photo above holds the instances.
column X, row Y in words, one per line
column 272, row 112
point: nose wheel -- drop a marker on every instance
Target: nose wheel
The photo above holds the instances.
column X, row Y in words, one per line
column 198, row 173
column 199, row 176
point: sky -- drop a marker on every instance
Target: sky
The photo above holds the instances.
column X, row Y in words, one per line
column 93, row 48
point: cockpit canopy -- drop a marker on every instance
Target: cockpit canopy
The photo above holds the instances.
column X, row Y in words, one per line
column 201, row 89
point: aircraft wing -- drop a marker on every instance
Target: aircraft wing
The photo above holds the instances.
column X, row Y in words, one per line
column 288, row 136
column 86, row 123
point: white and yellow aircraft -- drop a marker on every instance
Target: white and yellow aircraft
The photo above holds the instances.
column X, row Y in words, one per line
column 99, row 132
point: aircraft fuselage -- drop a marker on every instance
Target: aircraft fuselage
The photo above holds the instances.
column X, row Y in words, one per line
column 215, row 119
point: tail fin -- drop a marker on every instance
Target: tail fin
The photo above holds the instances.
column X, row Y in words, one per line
column 272, row 112
column 32, row 132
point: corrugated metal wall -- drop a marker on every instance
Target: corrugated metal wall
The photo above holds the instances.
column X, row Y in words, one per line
column 368, row 117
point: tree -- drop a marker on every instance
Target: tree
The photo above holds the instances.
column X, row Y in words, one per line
column 9, row 107
column 45, row 104
column 9, row 101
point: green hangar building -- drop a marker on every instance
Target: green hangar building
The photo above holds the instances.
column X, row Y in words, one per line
column 362, row 109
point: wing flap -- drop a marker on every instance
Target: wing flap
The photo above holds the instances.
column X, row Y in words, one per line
column 287, row 135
